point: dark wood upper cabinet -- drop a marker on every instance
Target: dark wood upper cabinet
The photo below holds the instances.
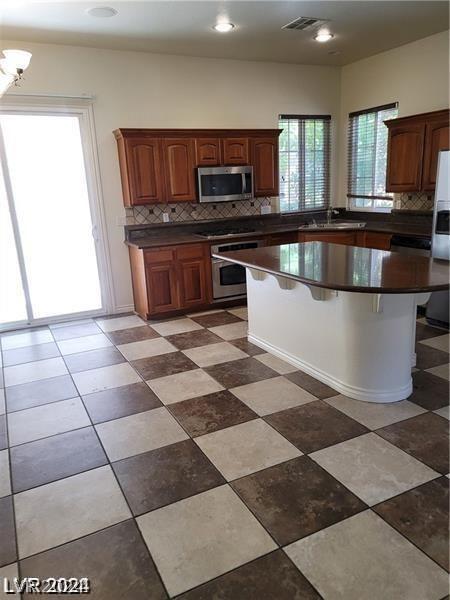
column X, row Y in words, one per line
column 413, row 147
column 207, row 152
column 436, row 139
column 264, row 158
column 235, row 151
column 179, row 164
column 142, row 180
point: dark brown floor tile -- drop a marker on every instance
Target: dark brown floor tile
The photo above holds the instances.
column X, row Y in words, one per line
column 162, row 365
column 429, row 391
column 296, row 498
column 247, row 347
column 165, row 475
column 55, row 457
column 315, row 425
column 210, row 413
column 3, row 434
column 428, row 357
column 93, row 359
column 426, row 332
column 29, row 354
column 73, row 331
column 134, row 334
column 35, row 393
column 421, row 515
column 115, row 560
column 216, row 319
column 240, row 372
column 8, row 551
column 425, row 437
column 120, row 402
column 193, row 339
column 311, row 385
column 271, row 577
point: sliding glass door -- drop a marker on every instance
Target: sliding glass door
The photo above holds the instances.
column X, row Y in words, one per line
column 49, row 262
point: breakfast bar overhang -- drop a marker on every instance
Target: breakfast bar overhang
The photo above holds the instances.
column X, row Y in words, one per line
column 345, row 315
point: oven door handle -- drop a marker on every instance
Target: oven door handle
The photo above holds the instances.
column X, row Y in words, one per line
column 220, row 261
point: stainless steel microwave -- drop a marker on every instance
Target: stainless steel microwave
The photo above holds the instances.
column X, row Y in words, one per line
column 225, row 184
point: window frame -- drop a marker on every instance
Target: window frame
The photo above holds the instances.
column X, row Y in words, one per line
column 301, row 200
column 351, row 151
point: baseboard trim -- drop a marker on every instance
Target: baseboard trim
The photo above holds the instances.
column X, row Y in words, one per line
column 365, row 395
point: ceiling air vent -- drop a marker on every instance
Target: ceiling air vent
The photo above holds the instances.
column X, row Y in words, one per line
column 302, row 23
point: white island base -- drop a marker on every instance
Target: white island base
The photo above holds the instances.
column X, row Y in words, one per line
column 360, row 344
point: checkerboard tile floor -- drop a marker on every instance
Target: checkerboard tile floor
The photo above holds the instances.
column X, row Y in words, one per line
column 176, row 459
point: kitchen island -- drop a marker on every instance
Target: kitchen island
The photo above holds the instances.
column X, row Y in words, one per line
column 343, row 314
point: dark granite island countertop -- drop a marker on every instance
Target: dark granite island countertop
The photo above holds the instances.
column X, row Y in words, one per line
column 347, row 268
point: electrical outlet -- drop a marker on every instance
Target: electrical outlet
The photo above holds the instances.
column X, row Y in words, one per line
column 266, row 210
column 166, row 217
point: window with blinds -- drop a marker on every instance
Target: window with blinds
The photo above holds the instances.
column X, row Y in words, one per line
column 367, row 156
column 304, row 155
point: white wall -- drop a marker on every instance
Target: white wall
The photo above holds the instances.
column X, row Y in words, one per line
column 134, row 89
column 415, row 75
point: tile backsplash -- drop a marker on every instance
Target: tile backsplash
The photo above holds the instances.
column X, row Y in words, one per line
column 187, row 211
column 414, row 201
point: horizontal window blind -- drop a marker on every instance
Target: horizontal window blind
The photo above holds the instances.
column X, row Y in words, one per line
column 367, row 157
column 304, row 155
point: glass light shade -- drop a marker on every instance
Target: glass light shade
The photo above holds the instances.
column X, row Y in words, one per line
column 224, row 27
column 323, row 36
column 19, row 58
column 5, row 81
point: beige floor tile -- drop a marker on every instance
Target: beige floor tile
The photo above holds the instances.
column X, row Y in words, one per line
column 272, row 395
column 375, row 415
column 139, row 433
column 204, row 313
column 105, row 378
column 232, row 331
column 440, row 342
column 5, row 483
column 372, row 468
column 243, row 449
column 64, row 510
column 84, row 344
column 49, row 419
column 34, row 371
column 146, row 348
column 363, row 558
column 275, row 363
column 182, row 386
column 213, row 354
column 176, row 326
column 120, row 323
column 240, row 311
column 443, row 412
column 2, row 402
column 29, row 338
column 8, row 572
column 197, row 539
column 442, row 371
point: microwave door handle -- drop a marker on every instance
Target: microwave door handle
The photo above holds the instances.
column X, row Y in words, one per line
column 243, row 183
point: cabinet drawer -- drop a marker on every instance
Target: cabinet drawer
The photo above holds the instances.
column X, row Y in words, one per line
column 348, row 238
column 190, row 251
column 380, row 241
column 159, row 255
column 290, row 237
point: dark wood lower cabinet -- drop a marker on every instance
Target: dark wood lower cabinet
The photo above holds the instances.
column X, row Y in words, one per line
column 162, row 288
column 344, row 237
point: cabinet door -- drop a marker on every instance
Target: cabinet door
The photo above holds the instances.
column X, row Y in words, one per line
column 179, row 163
column 145, row 181
column 436, row 139
column 193, row 262
column 235, row 151
column 405, row 153
column 207, row 152
column 278, row 239
column 265, row 166
column 162, row 287
column 348, row 237
column 380, row 241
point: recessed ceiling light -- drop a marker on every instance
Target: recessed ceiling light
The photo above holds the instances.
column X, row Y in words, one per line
column 223, row 27
column 102, row 12
column 323, row 36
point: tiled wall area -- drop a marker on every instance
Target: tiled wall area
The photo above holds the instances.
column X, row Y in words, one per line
column 416, row 201
column 186, row 211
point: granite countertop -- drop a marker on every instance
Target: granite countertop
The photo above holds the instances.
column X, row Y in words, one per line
column 182, row 235
column 347, row 268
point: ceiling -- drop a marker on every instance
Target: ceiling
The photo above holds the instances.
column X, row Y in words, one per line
column 361, row 28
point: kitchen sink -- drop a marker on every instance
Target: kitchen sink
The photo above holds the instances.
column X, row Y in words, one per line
column 334, row 225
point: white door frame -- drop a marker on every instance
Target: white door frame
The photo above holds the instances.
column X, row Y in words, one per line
column 83, row 110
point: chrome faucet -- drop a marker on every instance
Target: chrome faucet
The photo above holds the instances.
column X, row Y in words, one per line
column 329, row 214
